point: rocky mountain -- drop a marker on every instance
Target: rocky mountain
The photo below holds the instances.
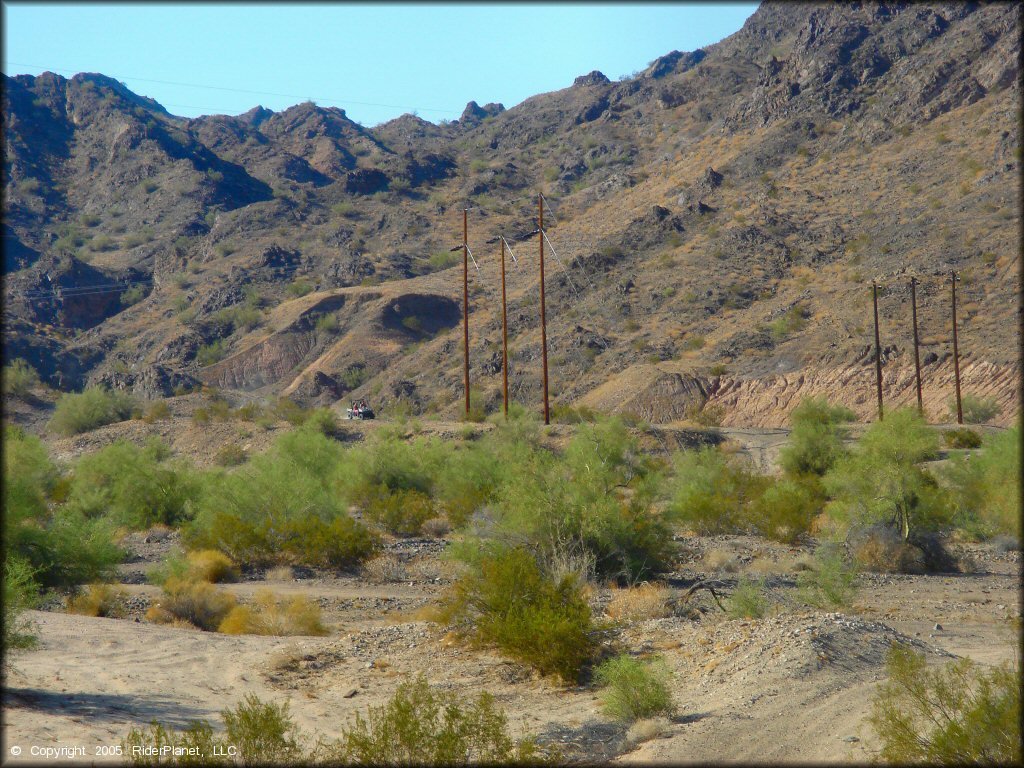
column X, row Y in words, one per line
column 714, row 224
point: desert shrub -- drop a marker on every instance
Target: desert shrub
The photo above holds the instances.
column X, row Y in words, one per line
column 146, row 746
column 506, row 600
column 197, row 602
column 263, row 734
column 956, row 714
column 328, row 324
column 593, row 504
column 705, row 415
column 747, row 600
column 92, row 408
column 711, row 492
column 104, row 600
column 881, row 482
column 230, row 455
column 271, row 615
column 61, row 546
column 281, row 508
column 384, row 569
column 290, row 411
column 133, row 295
column 786, row 509
column 133, row 487
column 158, row 411
column 443, row 260
column 634, row 689
column 962, row 438
column 299, row 288
column 467, row 481
column 647, row 601
column 210, row 565
column 402, row 513
column 19, row 378
column 208, row 354
column 976, row 410
column 20, row 594
column 829, row 582
column 421, row 725
column 816, row 441
column 325, row 421
column 387, row 460
column 986, row 488
column 882, row 548
column 793, row 321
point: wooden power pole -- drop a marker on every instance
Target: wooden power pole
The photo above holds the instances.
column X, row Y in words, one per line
column 465, row 303
column 504, row 332
column 543, row 318
column 878, row 352
column 917, row 354
column 956, row 354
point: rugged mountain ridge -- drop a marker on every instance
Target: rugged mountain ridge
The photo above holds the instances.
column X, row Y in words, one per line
column 714, row 219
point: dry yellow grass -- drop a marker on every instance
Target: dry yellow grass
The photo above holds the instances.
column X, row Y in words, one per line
column 100, row 600
column 271, row 615
column 720, row 560
column 647, row 601
column 196, row 602
column 212, row 566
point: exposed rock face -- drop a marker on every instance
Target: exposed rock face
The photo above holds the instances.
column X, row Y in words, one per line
column 151, row 382
column 593, row 78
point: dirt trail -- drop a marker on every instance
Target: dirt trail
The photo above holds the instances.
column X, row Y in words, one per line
column 791, row 687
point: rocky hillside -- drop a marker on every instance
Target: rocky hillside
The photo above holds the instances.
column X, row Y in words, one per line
column 714, row 225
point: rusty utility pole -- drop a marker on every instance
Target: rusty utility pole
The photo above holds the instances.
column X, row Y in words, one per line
column 917, row 356
column 504, row 332
column 956, row 354
column 878, row 352
column 465, row 302
column 543, row 318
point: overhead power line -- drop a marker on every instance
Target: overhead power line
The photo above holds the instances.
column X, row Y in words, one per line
column 331, row 100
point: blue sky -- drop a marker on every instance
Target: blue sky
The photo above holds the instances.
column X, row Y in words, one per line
column 374, row 61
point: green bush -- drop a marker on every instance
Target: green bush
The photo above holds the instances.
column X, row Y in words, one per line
column 962, row 438
column 281, row 508
column 593, row 504
column 881, row 482
column 816, row 441
column 230, row 455
column 986, row 488
column 976, row 410
column 133, row 487
column 19, row 379
column 95, row 407
column 421, row 725
column 133, row 295
column 747, row 600
column 793, row 321
column 712, row 492
column 299, row 288
column 20, row 594
column 62, row 546
column 400, row 512
column 211, row 353
column 506, row 600
column 829, row 583
column 787, row 508
column 957, row 714
column 634, row 689
column 443, row 260
column 263, row 734
column 328, row 324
